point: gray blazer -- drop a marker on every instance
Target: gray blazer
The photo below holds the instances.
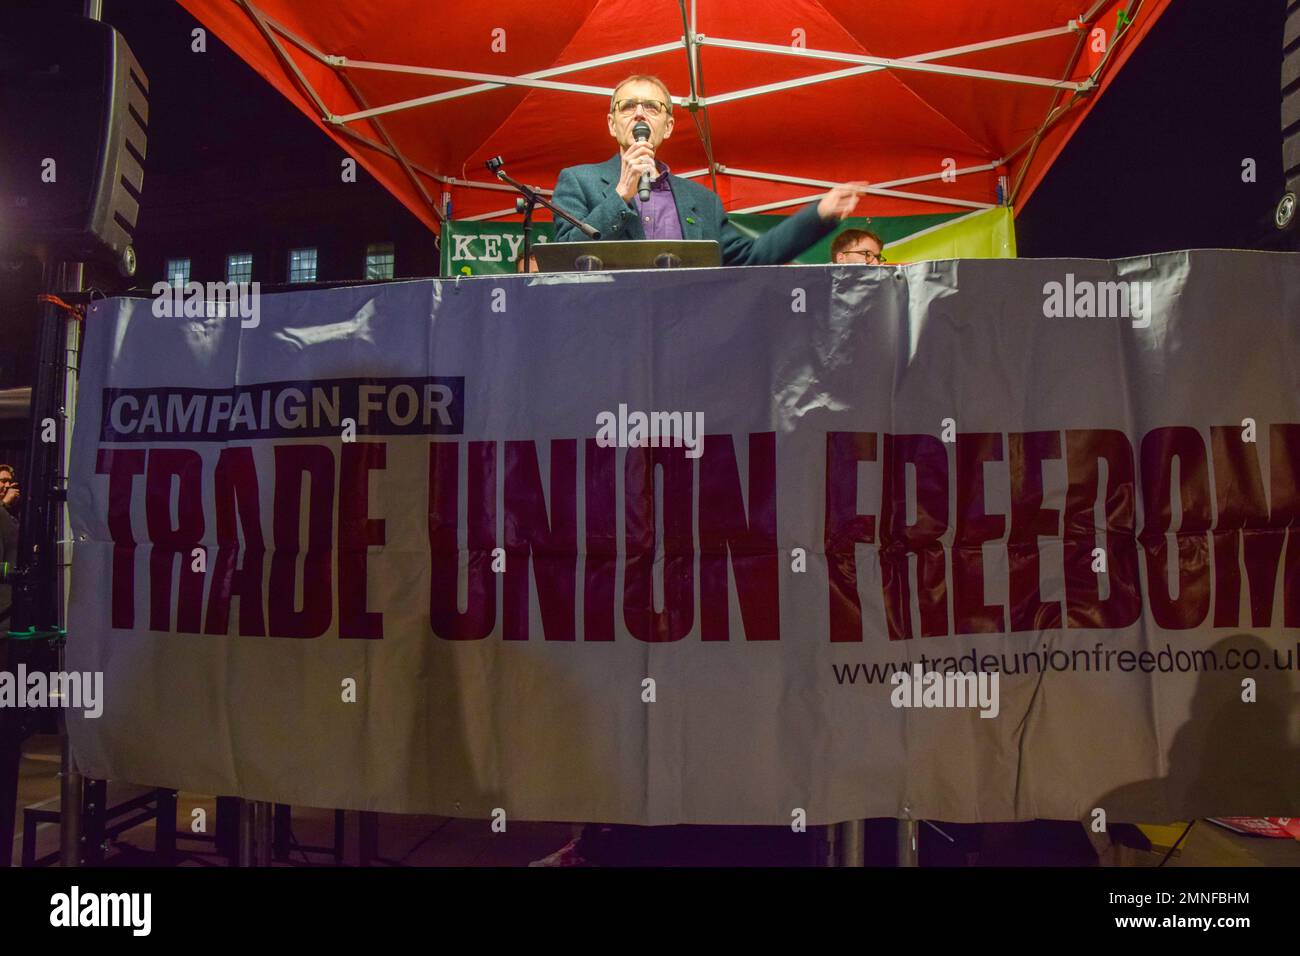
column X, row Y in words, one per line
column 588, row 192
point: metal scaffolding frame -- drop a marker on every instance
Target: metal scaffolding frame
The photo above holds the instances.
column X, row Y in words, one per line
column 696, row 102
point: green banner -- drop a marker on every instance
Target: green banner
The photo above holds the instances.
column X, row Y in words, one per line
column 486, row 248
column 492, row 248
column 889, row 228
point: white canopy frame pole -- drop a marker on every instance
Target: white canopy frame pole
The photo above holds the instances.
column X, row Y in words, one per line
column 917, row 62
column 698, row 109
column 474, row 184
column 930, row 177
column 517, row 81
column 262, row 23
column 882, row 189
column 691, row 42
column 437, row 177
column 878, row 62
column 814, row 197
column 1071, row 27
column 497, row 214
column 886, row 185
column 269, row 27
column 878, row 190
column 692, row 174
column 396, row 153
column 340, row 62
column 445, row 180
column 1056, row 110
column 603, row 92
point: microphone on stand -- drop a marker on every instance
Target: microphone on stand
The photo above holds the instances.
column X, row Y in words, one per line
column 641, row 133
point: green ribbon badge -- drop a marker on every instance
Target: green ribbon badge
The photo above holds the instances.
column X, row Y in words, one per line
column 691, row 220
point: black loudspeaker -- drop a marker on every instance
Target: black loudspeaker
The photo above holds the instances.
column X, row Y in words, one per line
column 74, row 115
column 1285, row 216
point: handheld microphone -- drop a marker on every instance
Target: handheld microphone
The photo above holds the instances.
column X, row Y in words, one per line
column 641, row 133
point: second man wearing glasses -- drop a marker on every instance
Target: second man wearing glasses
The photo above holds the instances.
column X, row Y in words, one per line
column 605, row 194
column 857, row 246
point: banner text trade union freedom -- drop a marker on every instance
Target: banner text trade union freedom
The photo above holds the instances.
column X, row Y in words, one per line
column 1230, row 501
column 421, row 546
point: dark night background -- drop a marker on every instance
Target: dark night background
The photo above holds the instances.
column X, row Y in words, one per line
column 232, row 167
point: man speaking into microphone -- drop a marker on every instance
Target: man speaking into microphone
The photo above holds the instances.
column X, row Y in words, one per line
column 633, row 195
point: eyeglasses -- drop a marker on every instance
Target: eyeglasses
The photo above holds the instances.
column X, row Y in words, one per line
column 652, row 107
column 877, row 258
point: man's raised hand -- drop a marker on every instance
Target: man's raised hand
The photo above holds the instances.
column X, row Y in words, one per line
column 840, row 202
column 637, row 159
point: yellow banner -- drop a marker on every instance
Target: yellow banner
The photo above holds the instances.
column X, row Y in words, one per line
column 986, row 234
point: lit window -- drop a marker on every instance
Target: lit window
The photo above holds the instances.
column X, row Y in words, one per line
column 178, row 271
column 379, row 260
column 239, row 267
column 302, row 265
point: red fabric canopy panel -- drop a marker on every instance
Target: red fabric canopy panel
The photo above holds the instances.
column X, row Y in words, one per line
column 898, row 125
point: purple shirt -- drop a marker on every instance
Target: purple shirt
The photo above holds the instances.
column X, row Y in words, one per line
column 659, row 215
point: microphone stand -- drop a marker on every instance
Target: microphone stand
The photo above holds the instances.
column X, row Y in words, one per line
column 528, row 199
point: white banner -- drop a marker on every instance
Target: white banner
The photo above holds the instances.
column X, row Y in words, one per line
column 650, row 547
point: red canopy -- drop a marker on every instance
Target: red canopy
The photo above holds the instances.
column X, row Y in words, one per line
column 931, row 101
